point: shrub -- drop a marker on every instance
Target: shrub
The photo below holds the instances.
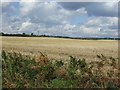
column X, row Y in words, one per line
column 25, row 71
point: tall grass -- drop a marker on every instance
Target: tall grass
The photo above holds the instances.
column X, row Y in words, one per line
column 23, row 71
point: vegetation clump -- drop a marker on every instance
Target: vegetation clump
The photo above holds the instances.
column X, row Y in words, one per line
column 24, row 71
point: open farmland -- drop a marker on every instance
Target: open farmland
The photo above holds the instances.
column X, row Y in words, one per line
column 69, row 63
column 60, row 48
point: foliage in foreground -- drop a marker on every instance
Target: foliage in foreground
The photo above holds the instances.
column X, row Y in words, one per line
column 23, row 71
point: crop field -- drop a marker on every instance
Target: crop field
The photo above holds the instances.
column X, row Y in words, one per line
column 41, row 62
column 59, row 48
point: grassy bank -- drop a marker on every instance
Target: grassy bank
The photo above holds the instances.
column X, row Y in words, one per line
column 24, row 71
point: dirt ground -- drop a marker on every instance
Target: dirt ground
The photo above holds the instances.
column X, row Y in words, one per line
column 60, row 48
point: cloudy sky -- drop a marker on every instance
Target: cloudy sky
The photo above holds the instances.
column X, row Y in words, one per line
column 73, row 19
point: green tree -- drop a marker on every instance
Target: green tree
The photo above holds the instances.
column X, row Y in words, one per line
column 31, row 34
column 23, row 34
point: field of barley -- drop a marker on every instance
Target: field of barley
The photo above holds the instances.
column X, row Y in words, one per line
column 60, row 48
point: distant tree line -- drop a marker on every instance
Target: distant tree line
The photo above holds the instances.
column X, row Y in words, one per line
column 23, row 34
column 32, row 35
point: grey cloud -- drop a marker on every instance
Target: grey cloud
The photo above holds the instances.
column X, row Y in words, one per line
column 8, row 8
column 93, row 8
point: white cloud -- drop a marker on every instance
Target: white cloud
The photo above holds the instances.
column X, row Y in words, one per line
column 100, row 26
column 26, row 7
column 102, row 22
column 52, row 19
column 50, row 13
column 25, row 26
